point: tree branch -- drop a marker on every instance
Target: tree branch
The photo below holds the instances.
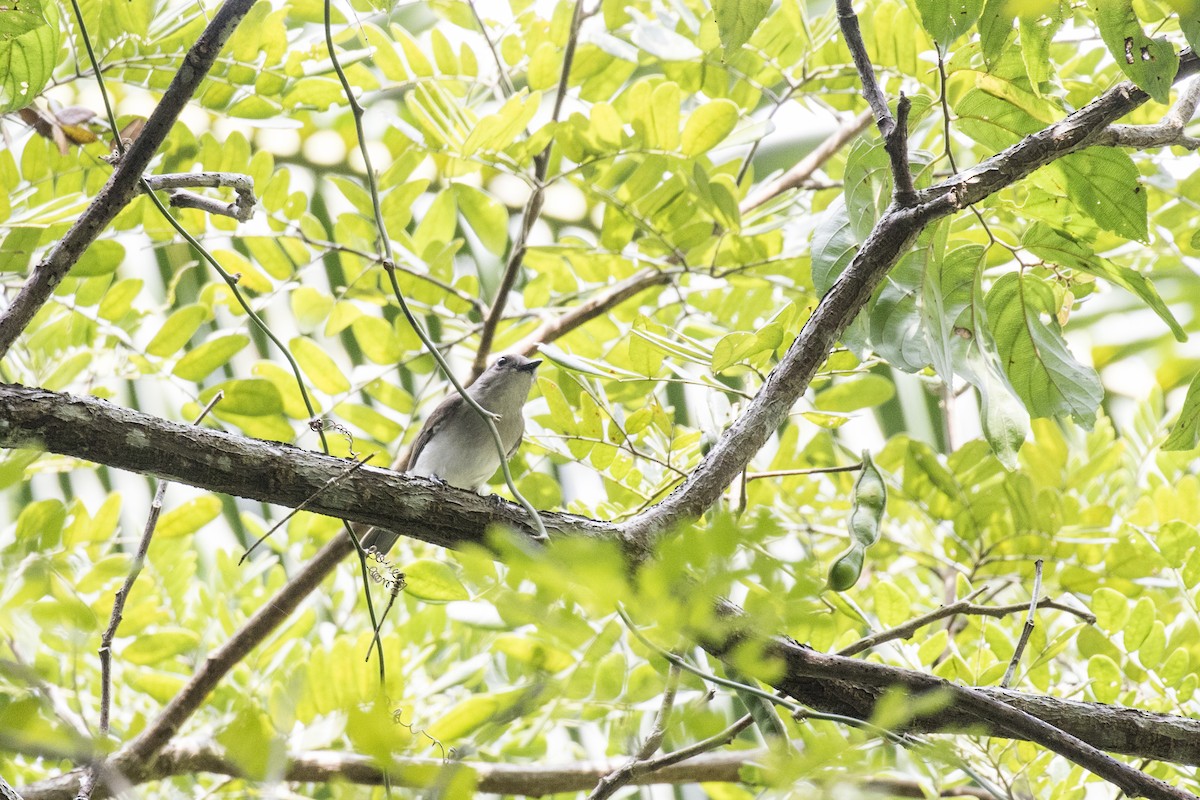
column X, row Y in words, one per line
column 186, row 758
column 805, row 167
column 240, row 209
column 965, row 607
column 123, row 184
column 593, row 307
column 997, row 714
column 533, row 208
column 894, row 130
column 1168, row 133
column 270, row 472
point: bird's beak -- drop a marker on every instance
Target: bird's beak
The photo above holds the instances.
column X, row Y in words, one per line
column 531, row 366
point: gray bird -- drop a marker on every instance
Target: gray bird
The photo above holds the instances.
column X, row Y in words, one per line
column 455, row 444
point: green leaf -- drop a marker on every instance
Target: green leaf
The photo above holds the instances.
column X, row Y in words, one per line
column 28, row 53
column 833, row 246
column 1021, row 314
column 708, row 126
column 39, row 525
column 737, row 20
column 16, row 19
column 947, row 20
column 1151, row 64
column 437, row 227
column 177, row 331
column 102, row 258
column 434, row 581
column 945, row 294
column 1104, row 678
column 213, row 354
column 377, row 339
column 18, row 247
column 892, row 604
column 188, row 517
column 152, row 649
column 995, row 27
column 322, row 370
column 255, row 397
column 1185, row 433
column 1111, row 609
column 1103, row 183
column 861, row 391
column 1061, row 248
column 486, row 215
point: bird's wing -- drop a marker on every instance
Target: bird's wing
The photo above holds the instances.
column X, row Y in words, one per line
column 517, row 444
column 431, row 426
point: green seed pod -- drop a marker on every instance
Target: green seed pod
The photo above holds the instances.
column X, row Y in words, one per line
column 866, row 512
column 870, row 491
column 846, row 568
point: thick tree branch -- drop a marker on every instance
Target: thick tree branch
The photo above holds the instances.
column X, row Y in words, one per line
column 125, row 182
column 267, row 471
column 534, row 780
column 997, row 714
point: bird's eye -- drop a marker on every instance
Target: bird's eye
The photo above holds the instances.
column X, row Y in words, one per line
column 501, row 361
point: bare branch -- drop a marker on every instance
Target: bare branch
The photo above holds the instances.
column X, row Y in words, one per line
column 533, row 208
column 798, row 175
column 271, row 472
column 240, row 209
column 964, row 607
column 1027, row 629
column 894, row 130
column 123, row 184
column 998, row 714
column 593, row 307
column 1168, row 133
column 533, row 780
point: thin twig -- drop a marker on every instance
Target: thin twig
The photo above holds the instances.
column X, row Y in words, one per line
column 505, row 81
column 798, row 175
column 331, row 482
column 787, row 473
column 533, row 207
column 110, row 633
column 588, row 310
column 1026, row 631
column 613, row 781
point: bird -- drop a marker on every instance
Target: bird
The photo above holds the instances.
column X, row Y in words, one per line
column 455, row 445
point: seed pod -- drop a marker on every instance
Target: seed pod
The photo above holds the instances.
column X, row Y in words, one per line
column 866, row 512
column 846, row 568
